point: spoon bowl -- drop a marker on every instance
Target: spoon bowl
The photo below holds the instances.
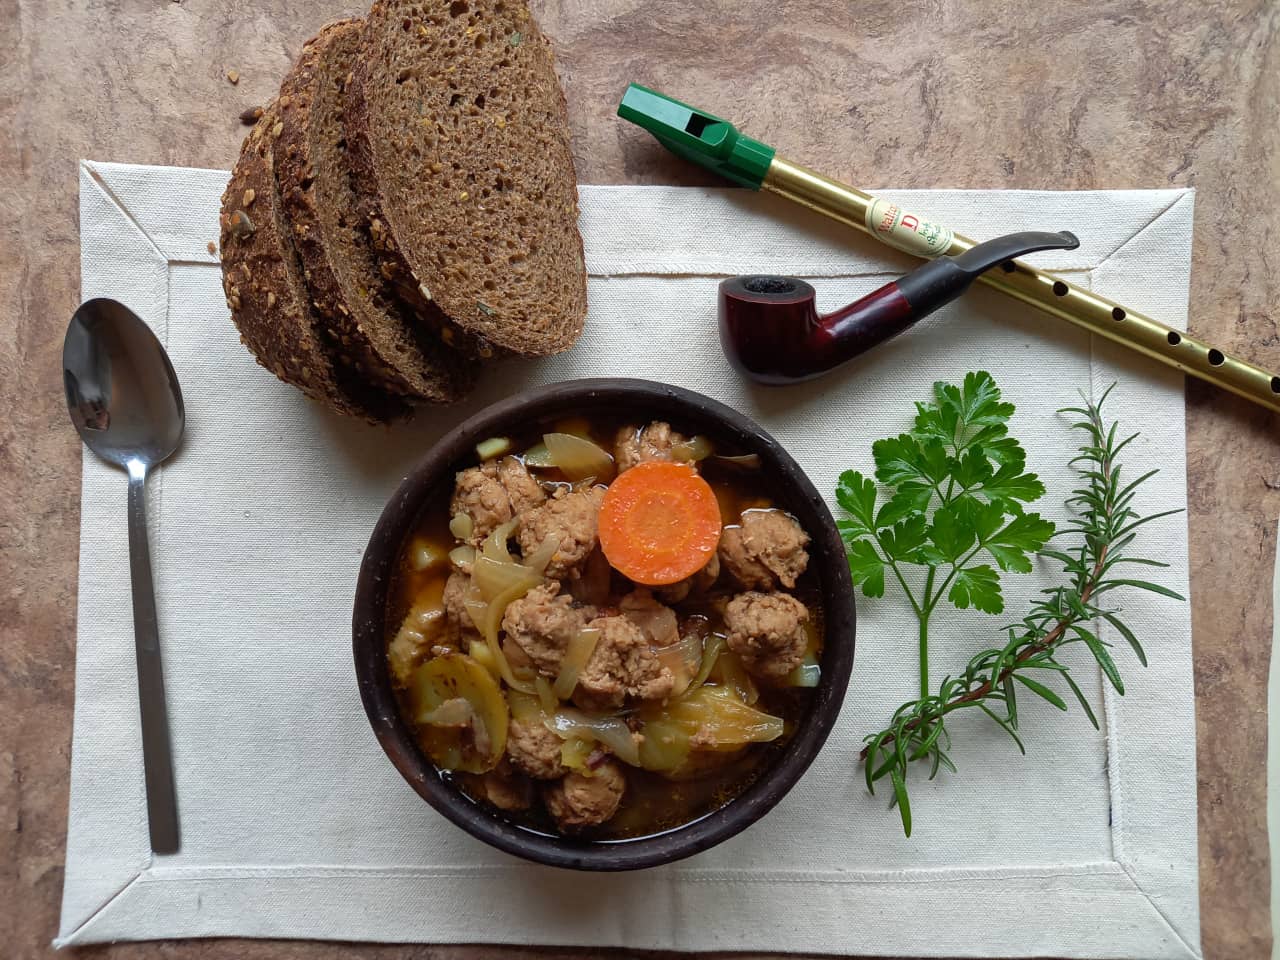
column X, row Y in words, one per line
column 122, row 392
column 125, row 402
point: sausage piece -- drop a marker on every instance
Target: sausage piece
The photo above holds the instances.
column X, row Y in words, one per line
column 541, row 624
column 493, row 493
column 622, row 665
column 458, row 622
column 654, row 442
column 695, row 583
column 534, row 750
column 766, row 551
column 766, row 631
column 523, row 490
column 578, row 801
column 506, row 788
column 572, row 518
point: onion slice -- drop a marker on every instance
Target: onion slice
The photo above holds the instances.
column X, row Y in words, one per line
column 581, row 647
column 578, row 458
column 461, row 525
column 538, row 457
column 730, row 674
column 493, row 447
column 691, row 450
column 540, row 559
column 486, row 617
column 545, row 695
column 610, row 731
column 710, row 653
column 462, row 557
column 495, row 545
column 684, row 659
column 575, row 752
column 719, row 719
column 807, row 675
column 493, row 578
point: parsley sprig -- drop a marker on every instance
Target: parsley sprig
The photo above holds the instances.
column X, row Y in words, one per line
column 1105, row 526
column 958, row 485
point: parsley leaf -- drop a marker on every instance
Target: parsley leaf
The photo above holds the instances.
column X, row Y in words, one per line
column 979, row 587
column 857, row 494
column 1010, row 483
column 867, row 568
column 910, row 499
column 973, row 469
column 953, row 531
column 988, row 518
column 904, row 540
column 1024, row 534
column 905, row 458
column 981, row 400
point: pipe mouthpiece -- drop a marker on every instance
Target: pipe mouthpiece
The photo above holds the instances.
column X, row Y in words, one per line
column 991, row 253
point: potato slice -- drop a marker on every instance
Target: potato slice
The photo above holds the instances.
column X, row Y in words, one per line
column 469, row 738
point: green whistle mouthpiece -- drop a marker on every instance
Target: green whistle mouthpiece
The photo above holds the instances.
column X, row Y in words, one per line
column 705, row 139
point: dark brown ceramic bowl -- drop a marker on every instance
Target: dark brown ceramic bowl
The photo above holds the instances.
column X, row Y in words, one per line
column 430, row 480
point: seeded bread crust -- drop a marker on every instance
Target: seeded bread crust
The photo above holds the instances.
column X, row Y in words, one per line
column 262, row 280
column 459, row 142
column 401, row 354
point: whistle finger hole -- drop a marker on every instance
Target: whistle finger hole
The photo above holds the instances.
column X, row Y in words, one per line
column 1216, row 359
column 1275, row 384
column 1059, row 288
column 1117, row 313
column 1007, row 266
column 1175, row 338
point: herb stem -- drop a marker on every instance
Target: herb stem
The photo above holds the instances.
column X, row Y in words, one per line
column 922, row 613
column 897, row 572
column 932, row 601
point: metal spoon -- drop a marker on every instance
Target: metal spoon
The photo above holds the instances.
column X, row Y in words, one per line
column 125, row 402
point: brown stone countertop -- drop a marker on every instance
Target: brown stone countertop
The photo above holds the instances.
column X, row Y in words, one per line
column 903, row 93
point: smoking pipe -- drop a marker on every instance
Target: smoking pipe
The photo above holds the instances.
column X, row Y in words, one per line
column 772, row 332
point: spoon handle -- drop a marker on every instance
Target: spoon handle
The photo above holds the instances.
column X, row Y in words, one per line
column 157, row 763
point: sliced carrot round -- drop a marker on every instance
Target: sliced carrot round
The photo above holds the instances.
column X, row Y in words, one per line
column 659, row 523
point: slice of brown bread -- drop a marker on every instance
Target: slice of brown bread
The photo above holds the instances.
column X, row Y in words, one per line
column 403, row 355
column 262, row 280
column 460, row 150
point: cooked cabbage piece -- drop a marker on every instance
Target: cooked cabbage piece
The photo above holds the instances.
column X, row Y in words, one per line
column 708, row 718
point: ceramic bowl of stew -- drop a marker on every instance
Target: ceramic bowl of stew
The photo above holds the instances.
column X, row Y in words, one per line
column 551, row 689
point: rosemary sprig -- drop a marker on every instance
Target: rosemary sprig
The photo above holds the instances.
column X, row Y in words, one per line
column 1106, row 525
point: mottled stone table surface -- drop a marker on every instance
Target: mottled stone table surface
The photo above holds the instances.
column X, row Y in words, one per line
column 903, row 93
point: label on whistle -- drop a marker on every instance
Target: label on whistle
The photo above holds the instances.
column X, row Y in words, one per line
column 892, row 225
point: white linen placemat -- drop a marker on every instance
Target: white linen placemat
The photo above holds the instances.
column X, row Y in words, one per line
column 295, row 825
